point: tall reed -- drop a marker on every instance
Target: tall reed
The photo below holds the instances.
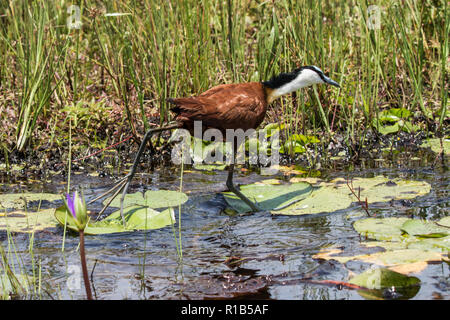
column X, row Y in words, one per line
column 139, row 53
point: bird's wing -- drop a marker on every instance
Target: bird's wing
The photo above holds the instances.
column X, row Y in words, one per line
column 217, row 89
column 223, row 107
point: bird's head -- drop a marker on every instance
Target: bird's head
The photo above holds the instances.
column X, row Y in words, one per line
column 285, row 83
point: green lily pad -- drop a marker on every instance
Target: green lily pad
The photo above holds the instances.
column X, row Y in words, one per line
column 268, row 197
column 320, row 200
column 379, row 278
column 28, row 221
column 387, row 129
column 292, row 146
column 271, row 128
column 409, row 244
column 424, row 229
column 409, row 234
column 382, row 189
column 435, row 145
column 397, row 119
column 328, row 196
column 381, row 229
column 432, row 244
column 153, row 199
column 376, row 280
column 402, row 229
column 388, row 258
column 142, row 218
column 401, row 256
column 209, row 167
column 20, row 200
column 136, row 217
column 445, row 222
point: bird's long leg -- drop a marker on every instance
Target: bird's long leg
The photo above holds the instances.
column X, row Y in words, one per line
column 121, row 185
column 125, row 184
column 236, row 191
column 118, row 184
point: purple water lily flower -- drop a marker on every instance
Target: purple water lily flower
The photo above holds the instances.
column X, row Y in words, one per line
column 77, row 207
column 71, row 205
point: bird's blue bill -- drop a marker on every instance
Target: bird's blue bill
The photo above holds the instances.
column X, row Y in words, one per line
column 332, row 82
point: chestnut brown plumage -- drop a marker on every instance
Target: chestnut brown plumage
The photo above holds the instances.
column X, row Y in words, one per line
column 229, row 106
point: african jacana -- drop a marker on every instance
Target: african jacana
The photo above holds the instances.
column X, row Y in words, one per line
column 230, row 106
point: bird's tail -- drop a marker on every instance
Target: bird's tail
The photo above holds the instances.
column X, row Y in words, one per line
column 176, row 107
column 171, row 101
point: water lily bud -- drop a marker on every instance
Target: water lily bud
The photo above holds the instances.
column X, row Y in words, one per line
column 76, row 205
column 81, row 211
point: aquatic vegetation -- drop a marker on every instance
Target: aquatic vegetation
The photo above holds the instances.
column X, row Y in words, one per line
column 13, row 283
column 28, row 221
column 137, row 218
column 209, row 167
column 410, row 232
column 139, row 212
column 268, row 197
column 297, row 143
column 325, row 196
column 76, row 206
column 23, row 200
column 436, row 146
column 152, row 198
column 409, row 245
column 393, row 121
column 376, row 279
column 67, row 91
column 137, row 57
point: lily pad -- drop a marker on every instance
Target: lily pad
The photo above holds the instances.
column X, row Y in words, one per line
column 153, row 199
column 142, row 218
column 435, row 145
column 271, row 128
column 320, row 200
column 20, row 200
column 431, row 244
column 379, row 279
column 408, row 268
column 403, row 229
column 328, row 196
column 28, row 221
column 209, row 167
column 445, row 222
column 268, row 197
column 382, row 189
column 425, row 229
column 388, row 258
column 136, row 217
column 381, row 229
column 386, row 129
column 402, row 256
column 408, row 240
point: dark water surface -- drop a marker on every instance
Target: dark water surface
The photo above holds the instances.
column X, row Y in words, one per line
column 255, row 256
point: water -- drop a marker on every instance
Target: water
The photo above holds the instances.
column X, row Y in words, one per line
column 255, row 256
